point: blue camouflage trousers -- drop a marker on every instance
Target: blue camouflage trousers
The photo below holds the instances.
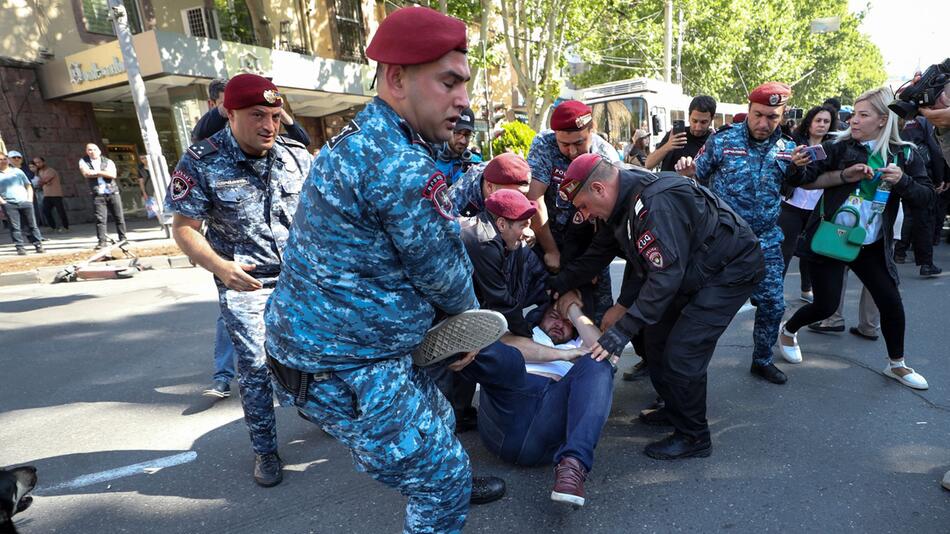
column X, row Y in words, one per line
column 399, row 429
column 769, row 302
column 243, row 314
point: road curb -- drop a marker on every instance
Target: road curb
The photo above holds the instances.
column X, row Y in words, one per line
column 46, row 275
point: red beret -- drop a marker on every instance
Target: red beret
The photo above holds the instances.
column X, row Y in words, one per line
column 507, row 169
column 771, row 94
column 738, row 117
column 416, row 35
column 577, row 173
column 511, row 205
column 246, row 90
column 571, row 116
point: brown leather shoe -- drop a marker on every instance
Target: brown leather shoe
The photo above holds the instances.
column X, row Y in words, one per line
column 569, row 476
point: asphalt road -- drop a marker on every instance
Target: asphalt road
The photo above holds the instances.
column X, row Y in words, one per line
column 100, row 389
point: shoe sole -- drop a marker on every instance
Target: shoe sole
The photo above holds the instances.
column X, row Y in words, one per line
column 826, row 331
column 757, row 375
column 567, row 498
column 469, row 331
column 216, row 394
column 269, row 484
column 702, row 453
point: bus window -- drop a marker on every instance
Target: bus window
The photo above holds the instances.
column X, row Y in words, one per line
column 728, row 118
column 618, row 119
column 678, row 115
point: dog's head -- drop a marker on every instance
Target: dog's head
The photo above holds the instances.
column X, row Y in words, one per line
column 15, row 486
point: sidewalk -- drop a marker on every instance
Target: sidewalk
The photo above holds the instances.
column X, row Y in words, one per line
column 147, row 241
column 82, row 238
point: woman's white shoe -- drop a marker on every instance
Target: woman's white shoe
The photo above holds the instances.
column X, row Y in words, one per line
column 913, row 379
column 791, row 353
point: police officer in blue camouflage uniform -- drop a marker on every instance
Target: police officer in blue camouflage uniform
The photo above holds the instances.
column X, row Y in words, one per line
column 468, row 194
column 560, row 238
column 374, row 252
column 745, row 165
column 454, row 159
column 244, row 181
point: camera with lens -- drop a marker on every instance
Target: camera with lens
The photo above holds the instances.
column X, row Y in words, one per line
column 923, row 92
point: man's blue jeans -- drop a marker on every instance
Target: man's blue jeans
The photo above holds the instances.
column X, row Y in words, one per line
column 532, row 420
column 21, row 214
column 223, row 354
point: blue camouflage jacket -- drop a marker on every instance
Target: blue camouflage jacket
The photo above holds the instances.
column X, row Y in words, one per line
column 373, row 251
column 548, row 165
column 466, row 192
column 748, row 176
column 249, row 203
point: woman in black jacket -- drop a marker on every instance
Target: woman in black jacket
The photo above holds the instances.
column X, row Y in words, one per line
column 800, row 202
column 863, row 157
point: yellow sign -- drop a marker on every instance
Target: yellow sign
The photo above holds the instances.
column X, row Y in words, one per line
column 96, row 67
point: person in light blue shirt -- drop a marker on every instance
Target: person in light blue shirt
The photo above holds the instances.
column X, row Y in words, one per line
column 16, row 199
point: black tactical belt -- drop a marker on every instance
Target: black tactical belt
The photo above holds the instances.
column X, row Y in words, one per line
column 293, row 380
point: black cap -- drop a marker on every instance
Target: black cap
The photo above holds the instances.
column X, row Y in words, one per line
column 466, row 120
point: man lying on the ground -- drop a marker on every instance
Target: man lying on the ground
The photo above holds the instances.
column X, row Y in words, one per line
column 537, row 408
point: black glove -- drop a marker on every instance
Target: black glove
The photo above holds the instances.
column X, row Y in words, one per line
column 614, row 339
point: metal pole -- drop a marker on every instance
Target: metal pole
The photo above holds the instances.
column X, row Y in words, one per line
column 668, row 43
column 157, row 166
column 679, row 51
column 488, row 103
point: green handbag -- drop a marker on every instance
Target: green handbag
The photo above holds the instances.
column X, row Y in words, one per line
column 838, row 241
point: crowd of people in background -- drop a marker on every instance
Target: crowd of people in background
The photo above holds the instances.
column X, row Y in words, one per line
column 402, row 227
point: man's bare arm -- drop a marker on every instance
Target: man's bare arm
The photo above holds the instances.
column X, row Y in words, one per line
column 541, row 229
column 538, row 353
column 187, row 234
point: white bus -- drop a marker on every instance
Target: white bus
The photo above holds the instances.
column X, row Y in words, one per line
column 623, row 106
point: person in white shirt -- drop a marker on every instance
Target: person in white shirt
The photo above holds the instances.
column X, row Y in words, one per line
column 100, row 173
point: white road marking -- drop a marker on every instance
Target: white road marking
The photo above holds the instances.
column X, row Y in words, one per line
column 746, row 307
column 148, row 467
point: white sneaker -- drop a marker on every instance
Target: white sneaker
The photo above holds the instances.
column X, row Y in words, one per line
column 792, row 354
column 912, row 380
column 466, row 332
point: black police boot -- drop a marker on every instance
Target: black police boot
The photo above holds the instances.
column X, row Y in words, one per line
column 659, row 417
column 769, row 372
column 677, row 446
column 487, row 489
column 930, row 270
column 267, row 469
column 639, row 371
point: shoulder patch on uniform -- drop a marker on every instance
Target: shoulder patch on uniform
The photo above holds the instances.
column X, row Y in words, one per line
column 286, row 141
column 202, row 148
column 436, row 190
column 351, row 128
column 654, row 255
column 182, row 184
column 646, row 239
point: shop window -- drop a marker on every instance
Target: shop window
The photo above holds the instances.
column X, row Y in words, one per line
column 96, row 16
column 348, row 27
column 199, row 22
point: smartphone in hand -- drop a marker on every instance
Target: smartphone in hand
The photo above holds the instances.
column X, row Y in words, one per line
column 817, row 152
column 679, row 127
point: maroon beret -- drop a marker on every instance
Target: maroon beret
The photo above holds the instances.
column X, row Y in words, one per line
column 416, row 35
column 739, row 117
column 577, row 173
column 771, row 94
column 246, row 90
column 511, row 205
column 507, row 169
column 570, row 116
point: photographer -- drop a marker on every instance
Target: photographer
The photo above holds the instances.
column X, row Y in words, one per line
column 867, row 164
column 799, row 203
column 674, row 146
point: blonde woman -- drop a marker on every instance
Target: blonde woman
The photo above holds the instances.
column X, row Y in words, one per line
column 870, row 152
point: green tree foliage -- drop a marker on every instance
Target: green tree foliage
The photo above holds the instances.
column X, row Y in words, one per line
column 516, row 137
column 730, row 46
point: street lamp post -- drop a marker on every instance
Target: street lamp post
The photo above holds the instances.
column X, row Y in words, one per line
column 157, row 166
